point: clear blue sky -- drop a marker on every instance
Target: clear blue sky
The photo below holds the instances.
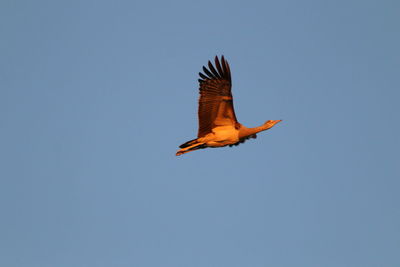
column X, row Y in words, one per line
column 96, row 96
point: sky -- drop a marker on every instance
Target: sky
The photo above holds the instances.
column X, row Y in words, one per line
column 96, row 97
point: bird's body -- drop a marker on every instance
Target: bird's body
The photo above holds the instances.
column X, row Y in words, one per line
column 218, row 126
column 221, row 136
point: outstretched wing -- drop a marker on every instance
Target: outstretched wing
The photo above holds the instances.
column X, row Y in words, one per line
column 216, row 102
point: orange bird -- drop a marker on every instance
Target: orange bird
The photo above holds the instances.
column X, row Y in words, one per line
column 218, row 126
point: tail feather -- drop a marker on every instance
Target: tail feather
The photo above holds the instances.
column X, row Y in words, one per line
column 190, row 148
column 188, row 143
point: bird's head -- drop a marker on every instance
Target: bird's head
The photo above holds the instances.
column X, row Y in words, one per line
column 270, row 123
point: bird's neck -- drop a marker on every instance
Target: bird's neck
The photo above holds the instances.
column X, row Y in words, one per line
column 244, row 131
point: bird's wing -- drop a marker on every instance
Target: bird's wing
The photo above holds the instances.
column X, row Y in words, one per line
column 216, row 102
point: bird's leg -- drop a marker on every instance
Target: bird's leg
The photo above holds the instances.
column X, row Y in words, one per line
column 191, row 148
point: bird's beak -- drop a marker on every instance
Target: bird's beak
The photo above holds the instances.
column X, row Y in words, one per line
column 271, row 123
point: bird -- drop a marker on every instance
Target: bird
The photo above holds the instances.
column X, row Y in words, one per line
column 218, row 126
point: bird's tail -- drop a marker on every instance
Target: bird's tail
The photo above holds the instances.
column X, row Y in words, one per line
column 188, row 143
column 190, row 146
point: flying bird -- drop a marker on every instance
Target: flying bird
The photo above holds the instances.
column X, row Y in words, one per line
column 218, row 126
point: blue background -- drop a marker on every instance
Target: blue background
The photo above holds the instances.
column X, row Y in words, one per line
column 96, row 96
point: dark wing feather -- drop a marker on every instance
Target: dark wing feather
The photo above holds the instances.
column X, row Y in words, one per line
column 216, row 102
column 244, row 140
column 212, row 69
